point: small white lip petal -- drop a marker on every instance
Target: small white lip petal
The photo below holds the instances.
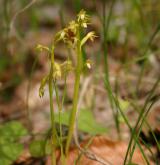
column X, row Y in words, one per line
column 82, row 16
column 62, row 34
column 88, row 65
column 84, row 25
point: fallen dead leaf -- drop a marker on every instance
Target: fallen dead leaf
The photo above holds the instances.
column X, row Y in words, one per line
column 112, row 152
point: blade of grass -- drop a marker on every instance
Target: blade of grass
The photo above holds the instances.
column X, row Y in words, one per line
column 139, row 130
column 129, row 126
column 147, row 56
column 105, row 25
column 139, row 118
column 146, row 122
column 150, row 129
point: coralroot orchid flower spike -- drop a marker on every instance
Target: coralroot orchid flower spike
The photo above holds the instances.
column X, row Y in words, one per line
column 70, row 36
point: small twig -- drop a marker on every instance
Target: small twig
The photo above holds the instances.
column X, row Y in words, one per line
column 83, row 91
column 89, row 154
column 12, row 29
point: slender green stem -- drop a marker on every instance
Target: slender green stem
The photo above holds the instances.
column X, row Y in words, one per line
column 137, row 134
column 105, row 25
column 65, row 89
column 60, row 121
column 53, row 129
column 140, row 128
column 136, row 107
column 150, row 150
column 75, row 96
column 53, row 140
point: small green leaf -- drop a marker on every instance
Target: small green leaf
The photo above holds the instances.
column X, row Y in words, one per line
column 86, row 122
column 37, row 148
column 4, row 161
column 124, row 105
column 9, row 152
column 12, row 131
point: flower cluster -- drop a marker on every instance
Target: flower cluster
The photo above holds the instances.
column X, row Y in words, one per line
column 83, row 19
column 70, row 36
column 59, row 70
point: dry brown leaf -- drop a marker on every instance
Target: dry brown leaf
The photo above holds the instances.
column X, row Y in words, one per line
column 110, row 151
